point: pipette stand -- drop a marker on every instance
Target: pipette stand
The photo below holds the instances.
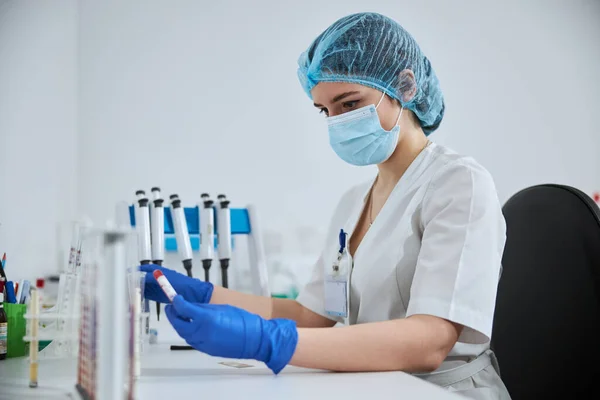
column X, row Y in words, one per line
column 244, row 221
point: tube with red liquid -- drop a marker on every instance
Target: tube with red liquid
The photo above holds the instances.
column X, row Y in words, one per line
column 164, row 284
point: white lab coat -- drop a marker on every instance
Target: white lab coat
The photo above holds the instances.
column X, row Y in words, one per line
column 435, row 248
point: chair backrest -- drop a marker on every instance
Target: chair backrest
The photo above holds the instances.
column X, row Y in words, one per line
column 546, row 326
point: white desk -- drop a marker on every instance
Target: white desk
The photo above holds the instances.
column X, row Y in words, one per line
column 188, row 374
column 175, row 375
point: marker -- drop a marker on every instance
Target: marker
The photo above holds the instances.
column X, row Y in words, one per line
column 157, row 225
column 22, row 291
column 25, row 292
column 2, row 274
column 184, row 247
column 206, row 213
column 10, row 293
column 164, row 284
column 224, row 235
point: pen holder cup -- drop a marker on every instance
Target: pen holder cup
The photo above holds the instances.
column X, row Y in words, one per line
column 17, row 328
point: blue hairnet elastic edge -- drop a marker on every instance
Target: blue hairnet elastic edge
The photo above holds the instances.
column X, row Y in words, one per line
column 358, row 81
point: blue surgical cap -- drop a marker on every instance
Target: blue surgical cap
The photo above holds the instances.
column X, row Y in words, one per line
column 373, row 50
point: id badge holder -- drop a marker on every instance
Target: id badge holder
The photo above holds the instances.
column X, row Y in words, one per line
column 336, row 287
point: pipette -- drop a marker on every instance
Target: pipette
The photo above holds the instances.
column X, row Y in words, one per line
column 158, row 228
column 184, row 247
column 142, row 221
column 207, row 234
column 224, row 236
column 157, row 224
column 155, row 193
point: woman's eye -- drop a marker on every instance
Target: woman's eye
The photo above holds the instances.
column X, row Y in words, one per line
column 324, row 111
column 350, row 104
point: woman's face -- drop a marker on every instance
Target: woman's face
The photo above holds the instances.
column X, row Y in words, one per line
column 336, row 98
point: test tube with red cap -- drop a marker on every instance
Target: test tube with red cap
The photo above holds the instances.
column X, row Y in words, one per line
column 164, row 284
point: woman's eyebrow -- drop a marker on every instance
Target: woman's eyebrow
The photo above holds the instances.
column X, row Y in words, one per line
column 339, row 97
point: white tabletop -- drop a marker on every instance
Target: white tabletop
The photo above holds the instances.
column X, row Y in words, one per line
column 188, row 374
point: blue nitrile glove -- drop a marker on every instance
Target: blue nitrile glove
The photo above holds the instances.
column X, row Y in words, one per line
column 191, row 288
column 227, row 331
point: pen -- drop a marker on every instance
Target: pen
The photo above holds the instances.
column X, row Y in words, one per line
column 177, row 347
column 342, row 240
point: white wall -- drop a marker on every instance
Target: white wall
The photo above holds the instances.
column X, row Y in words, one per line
column 196, row 97
column 38, row 136
column 202, row 96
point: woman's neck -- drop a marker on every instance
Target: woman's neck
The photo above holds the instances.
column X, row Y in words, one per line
column 409, row 147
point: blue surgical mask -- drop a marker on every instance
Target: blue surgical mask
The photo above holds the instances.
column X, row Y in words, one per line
column 358, row 138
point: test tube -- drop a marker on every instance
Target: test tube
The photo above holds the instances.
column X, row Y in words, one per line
column 34, row 307
column 164, row 284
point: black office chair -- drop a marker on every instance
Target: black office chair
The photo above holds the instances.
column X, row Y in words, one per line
column 546, row 327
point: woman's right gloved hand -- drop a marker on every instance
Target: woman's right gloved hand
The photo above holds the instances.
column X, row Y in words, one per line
column 193, row 290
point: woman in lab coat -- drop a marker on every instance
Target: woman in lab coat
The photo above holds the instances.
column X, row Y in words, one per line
column 412, row 257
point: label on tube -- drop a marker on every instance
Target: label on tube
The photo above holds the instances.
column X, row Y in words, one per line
column 164, row 284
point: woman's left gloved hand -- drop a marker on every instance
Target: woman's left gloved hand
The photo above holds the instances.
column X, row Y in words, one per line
column 227, row 331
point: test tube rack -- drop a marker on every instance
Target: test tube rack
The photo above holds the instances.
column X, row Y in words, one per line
column 101, row 290
column 59, row 325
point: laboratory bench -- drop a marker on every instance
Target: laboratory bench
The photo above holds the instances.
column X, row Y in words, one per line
column 189, row 374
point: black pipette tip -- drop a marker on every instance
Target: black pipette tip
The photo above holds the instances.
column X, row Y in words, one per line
column 224, row 277
column 173, row 196
column 206, row 265
column 187, row 264
column 159, row 263
column 155, row 189
column 221, row 197
column 137, row 193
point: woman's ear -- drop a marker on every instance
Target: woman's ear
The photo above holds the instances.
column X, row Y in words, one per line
column 407, row 85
